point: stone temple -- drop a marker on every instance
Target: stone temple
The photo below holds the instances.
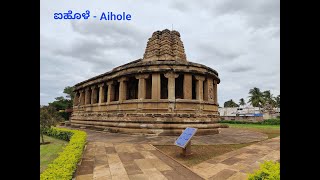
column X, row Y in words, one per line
column 160, row 94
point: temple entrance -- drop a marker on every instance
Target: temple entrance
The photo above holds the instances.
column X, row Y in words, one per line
column 164, row 87
column 179, row 87
column 89, row 96
column 132, row 88
column 97, row 95
column 194, row 81
column 116, row 91
column 105, row 99
column 148, row 87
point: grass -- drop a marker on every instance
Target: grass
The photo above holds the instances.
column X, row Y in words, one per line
column 200, row 152
column 49, row 152
column 271, row 130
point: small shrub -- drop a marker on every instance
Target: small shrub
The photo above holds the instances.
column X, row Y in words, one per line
column 269, row 170
column 65, row 164
column 271, row 122
column 266, row 122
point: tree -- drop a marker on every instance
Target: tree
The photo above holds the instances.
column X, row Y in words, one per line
column 230, row 103
column 69, row 91
column 268, row 97
column 256, row 98
column 48, row 117
column 62, row 103
column 277, row 100
column 242, row 102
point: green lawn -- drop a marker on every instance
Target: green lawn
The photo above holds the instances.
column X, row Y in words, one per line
column 271, row 130
column 49, row 152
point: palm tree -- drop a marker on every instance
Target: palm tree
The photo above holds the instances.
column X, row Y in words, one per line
column 268, row 97
column 256, row 98
column 242, row 102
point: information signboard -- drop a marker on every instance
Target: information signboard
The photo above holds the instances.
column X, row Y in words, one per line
column 185, row 137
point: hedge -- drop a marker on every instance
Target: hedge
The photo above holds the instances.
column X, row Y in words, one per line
column 269, row 170
column 65, row 164
column 265, row 122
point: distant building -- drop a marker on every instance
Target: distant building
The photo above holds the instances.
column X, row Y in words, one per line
column 248, row 113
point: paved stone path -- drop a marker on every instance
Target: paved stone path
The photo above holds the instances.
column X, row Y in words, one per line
column 226, row 136
column 129, row 161
column 122, row 156
column 236, row 164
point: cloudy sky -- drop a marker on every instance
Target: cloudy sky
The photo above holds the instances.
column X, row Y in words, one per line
column 239, row 39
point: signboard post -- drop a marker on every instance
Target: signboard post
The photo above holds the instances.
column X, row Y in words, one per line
column 184, row 140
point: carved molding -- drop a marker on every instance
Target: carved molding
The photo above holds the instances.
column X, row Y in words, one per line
column 171, row 75
column 123, row 79
column 142, row 76
column 200, row 78
column 110, row 83
column 101, row 85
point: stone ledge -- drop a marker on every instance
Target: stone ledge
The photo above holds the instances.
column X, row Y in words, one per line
column 149, row 125
column 158, row 132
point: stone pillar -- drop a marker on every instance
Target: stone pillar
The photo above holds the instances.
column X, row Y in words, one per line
column 209, row 89
column 171, row 84
column 101, row 93
column 142, row 85
column 82, row 97
column 110, row 92
column 199, row 87
column 123, row 88
column 75, row 99
column 156, row 86
column 94, row 95
column 87, row 99
column 215, row 89
column 187, row 86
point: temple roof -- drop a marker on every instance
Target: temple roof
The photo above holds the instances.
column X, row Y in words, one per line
column 165, row 45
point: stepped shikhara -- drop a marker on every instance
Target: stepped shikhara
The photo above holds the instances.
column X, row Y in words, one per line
column 160, row 94
column 165, row 45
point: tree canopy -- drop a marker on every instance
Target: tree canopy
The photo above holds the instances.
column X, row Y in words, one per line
column 277, row 99
column 230, row 103
column 242, row 102
column 256, row 98
column 48, row 117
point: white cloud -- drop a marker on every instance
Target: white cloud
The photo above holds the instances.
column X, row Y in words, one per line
column 239, row 39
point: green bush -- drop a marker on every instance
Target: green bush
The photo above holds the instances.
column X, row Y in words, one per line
column 63, row 134
column 269, row 170
column 65, row 164
column 266, row 122
column 271, row 122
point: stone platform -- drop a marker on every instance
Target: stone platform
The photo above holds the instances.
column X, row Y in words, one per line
column 226, row 136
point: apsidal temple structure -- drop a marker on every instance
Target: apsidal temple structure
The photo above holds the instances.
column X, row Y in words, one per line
column 160, row 94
